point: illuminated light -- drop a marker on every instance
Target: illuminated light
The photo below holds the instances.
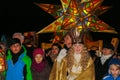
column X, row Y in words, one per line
column 88, row 23
column 88, row 5
column 85, row 11
column 75, row 11
column 0, row 67
column 88, row 9
column 71, row 20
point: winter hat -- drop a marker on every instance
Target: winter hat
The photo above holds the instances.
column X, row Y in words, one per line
column 114, row 61
column 108, row 46
column 38, row 51
column 38, row 66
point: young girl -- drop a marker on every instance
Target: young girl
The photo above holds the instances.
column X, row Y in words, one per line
column 40, row 68
column 114, row 70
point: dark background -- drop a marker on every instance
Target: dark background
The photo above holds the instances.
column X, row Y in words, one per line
column 23, row 15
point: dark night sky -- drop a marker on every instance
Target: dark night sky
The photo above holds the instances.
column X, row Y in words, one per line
column 25, row 16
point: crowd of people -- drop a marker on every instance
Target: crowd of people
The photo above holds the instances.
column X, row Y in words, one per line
column 72, row 61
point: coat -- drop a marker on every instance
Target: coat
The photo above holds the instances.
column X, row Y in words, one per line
column 61, row 72
column 16, row 71
column 43, row 75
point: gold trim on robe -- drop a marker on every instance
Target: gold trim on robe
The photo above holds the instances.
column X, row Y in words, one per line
column 59, row 71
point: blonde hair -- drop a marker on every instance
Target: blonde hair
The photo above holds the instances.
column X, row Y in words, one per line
column 118, row 66
column 85, row 56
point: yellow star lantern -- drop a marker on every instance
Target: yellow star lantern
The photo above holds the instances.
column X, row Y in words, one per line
column 77, row 13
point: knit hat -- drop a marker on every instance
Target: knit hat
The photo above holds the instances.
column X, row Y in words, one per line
column 114, row 61
column 38, row 51
column 108, row 46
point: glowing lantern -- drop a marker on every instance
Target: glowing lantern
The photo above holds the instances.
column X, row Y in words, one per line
column 2, row 61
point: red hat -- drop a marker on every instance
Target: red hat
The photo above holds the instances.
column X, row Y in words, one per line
column 38, row 51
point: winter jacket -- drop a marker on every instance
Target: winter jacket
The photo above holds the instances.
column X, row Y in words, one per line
column 110, row 77
column 15, row 71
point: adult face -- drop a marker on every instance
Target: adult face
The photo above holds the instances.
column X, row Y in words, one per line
column 68, row 41
column 107, row 51
column 55, row 50
column 78, row 47
column 38, row 58
column 15, row 48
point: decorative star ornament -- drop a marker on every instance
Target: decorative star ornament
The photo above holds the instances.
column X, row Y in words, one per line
column 81, row 14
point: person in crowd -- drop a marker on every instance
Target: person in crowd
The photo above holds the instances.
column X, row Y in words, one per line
column 53, row 53
column 40, row 67
column 29, row 46
column 77, row 64
column 19, row 36
column 114, row 70
column 67, row 45
column 101, row 62
column 18, row 63
column 24, row 43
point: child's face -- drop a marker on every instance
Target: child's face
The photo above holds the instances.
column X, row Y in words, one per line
column 78, row 47
column 38, row 58
column 115, row 70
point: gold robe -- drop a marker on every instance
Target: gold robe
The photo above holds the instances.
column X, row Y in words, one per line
column 59, row 71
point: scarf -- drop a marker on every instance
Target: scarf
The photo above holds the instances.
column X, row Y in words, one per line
column 38, row 67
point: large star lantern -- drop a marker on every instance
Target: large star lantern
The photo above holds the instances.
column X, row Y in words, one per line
column 82, row 14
